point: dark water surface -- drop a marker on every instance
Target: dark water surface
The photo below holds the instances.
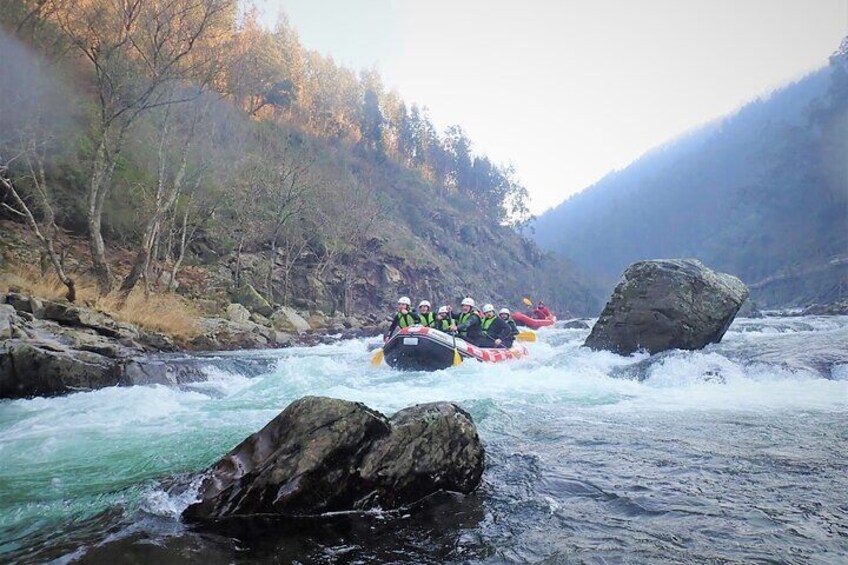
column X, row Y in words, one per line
column 738, row 453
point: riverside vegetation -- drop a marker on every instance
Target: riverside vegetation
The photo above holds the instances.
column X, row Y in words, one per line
column 181, row 148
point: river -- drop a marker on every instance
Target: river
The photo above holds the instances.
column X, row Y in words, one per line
column 737, row 453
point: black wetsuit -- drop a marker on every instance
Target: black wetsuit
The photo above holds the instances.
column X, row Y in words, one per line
column 495, row 328
column 468, row 327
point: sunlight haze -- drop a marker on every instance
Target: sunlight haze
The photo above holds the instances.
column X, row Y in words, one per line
column 567, row 91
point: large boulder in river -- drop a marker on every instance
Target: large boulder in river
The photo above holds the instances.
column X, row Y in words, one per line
column 323, row 455
column 431, row 447
column 667, row 304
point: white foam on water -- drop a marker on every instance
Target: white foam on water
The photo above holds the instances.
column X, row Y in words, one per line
column 78, row 447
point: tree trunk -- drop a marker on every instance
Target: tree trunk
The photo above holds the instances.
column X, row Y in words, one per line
column 166, row 197
column 237, row 275
column 172, row 282
column 46, row 242
column 102, row 173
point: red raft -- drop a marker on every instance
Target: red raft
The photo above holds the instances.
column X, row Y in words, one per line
column 535, row 323
column 417, row 348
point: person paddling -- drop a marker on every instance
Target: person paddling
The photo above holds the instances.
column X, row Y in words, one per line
column 403, row 318
column 496, row 332
column 468, row 326
column 444, row 320
column 425, row 317
column 505, row 315
column 541, row 312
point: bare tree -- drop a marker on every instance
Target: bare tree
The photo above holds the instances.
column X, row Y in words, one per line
column 293, row 245
column 288, row 186
column 38, row 115
column 169, row 186
column 137, row 49
column 347, row 220
column 35, row 164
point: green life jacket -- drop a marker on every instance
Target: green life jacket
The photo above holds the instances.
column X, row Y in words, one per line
column 427, row 320
column 405, row 320
column 486, row 323
column 444, row 325
column 462, row 319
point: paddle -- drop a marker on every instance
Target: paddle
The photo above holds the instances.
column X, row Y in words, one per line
column 456, row 358
column 377, row 359
column 526, row 336
column 527, row 301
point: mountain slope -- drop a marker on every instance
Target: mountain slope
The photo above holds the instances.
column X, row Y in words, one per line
column 306, row 180
column 761, row 194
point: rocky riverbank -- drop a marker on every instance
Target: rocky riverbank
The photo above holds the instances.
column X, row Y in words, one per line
column 52, row 347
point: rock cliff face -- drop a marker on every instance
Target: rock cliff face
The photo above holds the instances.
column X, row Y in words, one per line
column 324, row 455
column 667, row 304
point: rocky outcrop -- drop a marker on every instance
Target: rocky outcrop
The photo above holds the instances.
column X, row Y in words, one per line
column 238, row 314
column 838, row 308
column 7, row 314
column 43, row 369
column 667, row 304
column 323, row 455
column 218, row 334
column 49, row 348
column 248, row 297
column 286, row 319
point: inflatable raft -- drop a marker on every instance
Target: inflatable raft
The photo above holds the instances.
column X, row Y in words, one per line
column 525, row 320
column 417, row 348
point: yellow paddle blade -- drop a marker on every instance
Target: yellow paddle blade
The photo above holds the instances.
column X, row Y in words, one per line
column 528, row 302
column 377, row 360
column 526, row 336
column 456, row 358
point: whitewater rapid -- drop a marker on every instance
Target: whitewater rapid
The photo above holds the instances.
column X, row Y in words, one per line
column 571, row 434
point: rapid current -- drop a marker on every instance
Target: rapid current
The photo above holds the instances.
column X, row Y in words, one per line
column 737, row 453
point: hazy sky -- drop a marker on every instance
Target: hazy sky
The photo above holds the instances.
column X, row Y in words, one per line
column 568, row 90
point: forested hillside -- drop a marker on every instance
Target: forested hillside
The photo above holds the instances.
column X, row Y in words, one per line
column 762, row 194
column 195, row 151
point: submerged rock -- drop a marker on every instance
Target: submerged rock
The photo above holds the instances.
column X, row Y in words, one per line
column 667, row 304
column 575, row 325
column 323, row 455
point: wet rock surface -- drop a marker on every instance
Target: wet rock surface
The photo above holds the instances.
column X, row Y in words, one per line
column 667, row 304
column 324, row 455
column 51, row 347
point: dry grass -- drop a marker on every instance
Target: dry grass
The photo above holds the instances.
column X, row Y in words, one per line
column 168, row 313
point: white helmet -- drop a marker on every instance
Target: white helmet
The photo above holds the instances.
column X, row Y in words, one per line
column 404, row 300
column 488, row 308
column 425, row 303
column 468, row 302
column 504, row 311
column 443, row 310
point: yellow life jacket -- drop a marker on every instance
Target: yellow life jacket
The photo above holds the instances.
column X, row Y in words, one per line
column 405, row 320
